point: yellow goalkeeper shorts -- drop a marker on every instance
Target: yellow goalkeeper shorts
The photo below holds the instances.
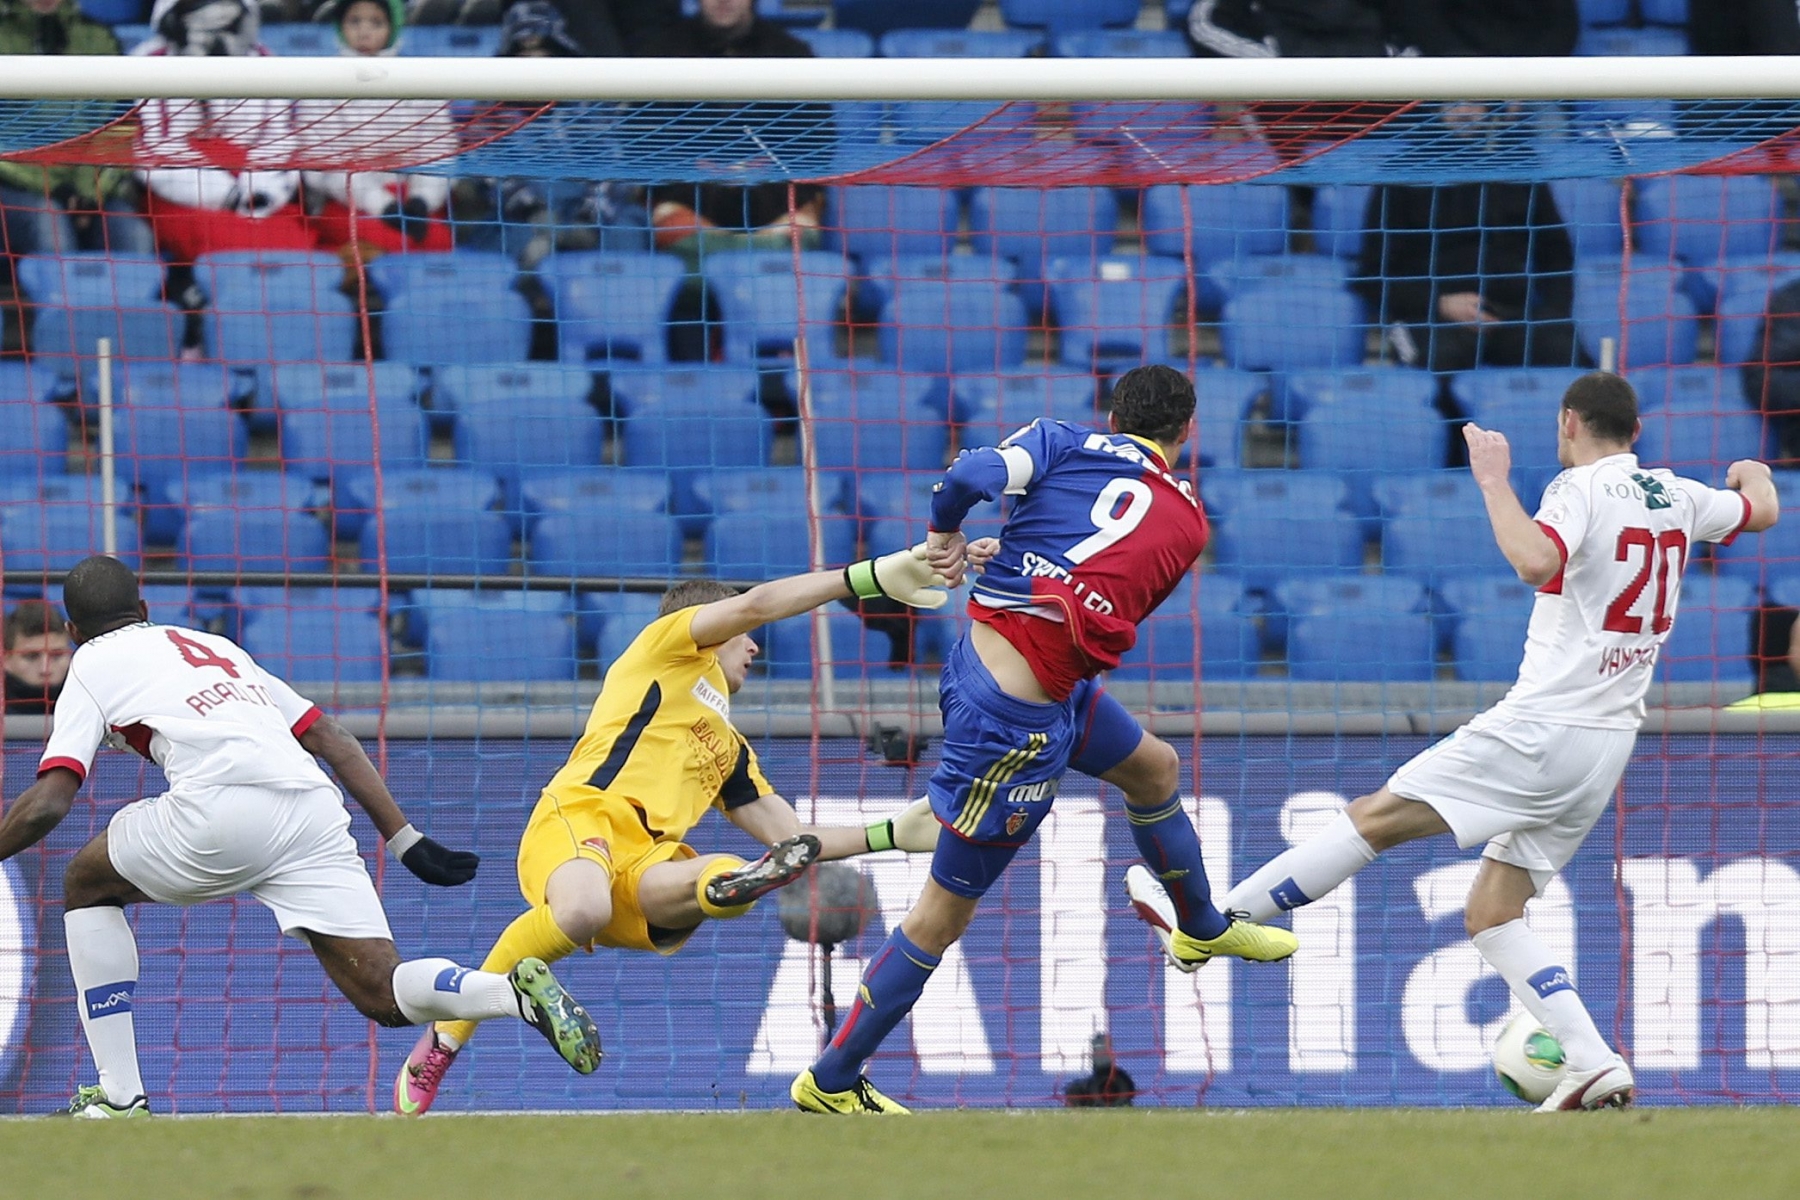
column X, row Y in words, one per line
column 607, row 830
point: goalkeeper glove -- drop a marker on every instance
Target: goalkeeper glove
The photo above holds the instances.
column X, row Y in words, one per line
column 914, row 830
column 436, row 864
column 903, row 575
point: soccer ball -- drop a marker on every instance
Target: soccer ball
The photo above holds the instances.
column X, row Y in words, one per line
column 1528, row 1060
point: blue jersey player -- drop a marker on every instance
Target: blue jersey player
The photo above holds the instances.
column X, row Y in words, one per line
column 1099, row 534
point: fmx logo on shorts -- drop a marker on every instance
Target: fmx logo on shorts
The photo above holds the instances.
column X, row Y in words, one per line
column 109, row 999
column 450, row 979
column 1552, row 979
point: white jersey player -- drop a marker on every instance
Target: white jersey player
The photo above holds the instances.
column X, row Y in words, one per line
column 248, row 810
column 1530, row 776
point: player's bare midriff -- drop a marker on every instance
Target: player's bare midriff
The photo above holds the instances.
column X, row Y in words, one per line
column 1012, row 674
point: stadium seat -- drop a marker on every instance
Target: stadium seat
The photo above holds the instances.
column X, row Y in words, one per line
column 895, row 507
column 131, row 36
column 1604, row 12
column 1590, row 210
column 1366, row 424
column 1660, row 328
column 990, row 406
column 156, row 444
column 769, row 544
column 876, row 221
column 1490, row 614
column 456, row 307
column 947, row 327
column 317, row 645
column 498, row 637
column 1695, row 421
column 1058, row 16
column 418, row 605
column 522, row 417
column 882, row 276
column 1640, row 42
column 857, row 650
column 1271, row 523
column 924, row 42
column 613, row 619
column 437, row 521
column 924, row 122
column 1116, row 311
column 1324, row 595
column 1435, row 528
column 1237, row 275
column 1031, row 227
column 1362, row 645
column 876, row 17
column 1293, row 325
column 1339, row 218
column 1710, row 642
column 1759, row 557
column 1744, row 289
column 622, row 489
column 1704, row 219
column 1664, row 12
column 450, row 41
column 698, row 417
column 1222, row 399
column 170, row 604
column 302, row 39
column 165, row 509
column 1121, row 43
column 276, row 307
column 771, row 490
column 1784, row 587
column 876, row 420
column 613, row 305
column 604, row 541
column 81, row 298
column 1522, row 403
column 183, row 385
column 1227, row 635
column 337, row 436
column 1229, row 221
column 761, row 308
column 57, row 527
column 30, row 431
column 254, row 539
column 837, row 43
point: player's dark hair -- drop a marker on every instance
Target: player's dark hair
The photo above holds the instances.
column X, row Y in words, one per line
column 30, row 618
column 690, row 592
column 101, row 594
column 1606, row 404
column 1154, row 402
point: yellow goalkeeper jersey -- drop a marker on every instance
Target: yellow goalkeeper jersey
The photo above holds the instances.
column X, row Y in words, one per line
column 660, row 736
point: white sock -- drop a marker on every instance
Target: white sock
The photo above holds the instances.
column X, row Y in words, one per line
column 103, row 958
column 1304, row 873
column 1546, row 989
column 436, row 989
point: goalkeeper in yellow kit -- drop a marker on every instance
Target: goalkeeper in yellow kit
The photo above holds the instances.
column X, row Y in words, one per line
column 602, row 861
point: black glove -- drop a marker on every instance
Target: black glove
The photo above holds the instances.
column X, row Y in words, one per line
column 431, row 861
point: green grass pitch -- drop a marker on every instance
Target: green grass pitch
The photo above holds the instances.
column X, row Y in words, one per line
column 1720, row 1154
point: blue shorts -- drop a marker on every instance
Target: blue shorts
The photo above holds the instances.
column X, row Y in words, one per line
column 1002, row 761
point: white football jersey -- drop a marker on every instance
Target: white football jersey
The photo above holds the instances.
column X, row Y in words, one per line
column 193, row 703
column 1625, row 534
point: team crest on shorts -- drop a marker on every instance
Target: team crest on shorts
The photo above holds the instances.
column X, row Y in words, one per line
column 1015, row 822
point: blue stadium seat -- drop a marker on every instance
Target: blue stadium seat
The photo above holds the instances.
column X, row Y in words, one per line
column 454, row 489
column 450, row 41
column 877, row 17
column 883, row 221
column 1031, row 227
column 156, row 444
column 1293, row 325
column 1743, row 289
column 1664, row 12
column 1229, row 221
column 882, row 276
column 1367, row 424
column 1590, row 209
column 522, row 417
column 1435, row 528
column 346, row 388
column 767, row 544
column 857, row 651
column 837, row 43
column 183, row 385
column 114, row 12
column 422, row 603
column 876, row 420
column 131, row 36
column 165, row 509
column 698, row 417
column 622, row 489
column 1228, row 636
column 1267, row 524
column 30, row 431
column 761, row 307
column 438, row 521
column 55, row 525
column 1695, row 421
column 613, row 305
column 498, row 638
column 613, row 619
column 1121, row 43
column 1522, row 403
column 1762, row 556
column 1362, row 645
column 1323, row 595
column 1060, row 15
column 1236, row 275
column 81, row 298
column 1490, row 614
column 896, row 507
column 1604, row 12
column 1660, row 328
column 1222, row 399
column 925, row 42
column 455, row 307
column 254, row 539
column 1621, row 41
column 990, row 406
column 277, row 306
column 326, row 429
column 1784, row 588
column 170, row 604
column 1705, row 219
column 1710, row 642
column 754, row 490
column 947, row 327
column 317, row 645
column 302, row 39
column 605, row 541
column 1116, row 311
column 922, row 123
column 1339, row 218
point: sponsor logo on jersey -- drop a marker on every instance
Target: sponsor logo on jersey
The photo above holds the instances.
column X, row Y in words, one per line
column 109, row 999
column 1623, row 659
column 712, row 697
column 1655, row 495
column 1552, row 979
column 450, row 979
column 1032, row 793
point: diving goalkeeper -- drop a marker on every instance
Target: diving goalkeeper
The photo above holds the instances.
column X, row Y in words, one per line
column 602, row 861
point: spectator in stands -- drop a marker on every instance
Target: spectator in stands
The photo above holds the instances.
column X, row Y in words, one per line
column 364, row 214
column 37, row 652
column 1486, row 28
column 59, row 209
column 1468, row 274
column 218, row 178
column 1743, row 27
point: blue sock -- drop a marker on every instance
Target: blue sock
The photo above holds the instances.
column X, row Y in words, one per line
column 890, row 987
column 1166, row 839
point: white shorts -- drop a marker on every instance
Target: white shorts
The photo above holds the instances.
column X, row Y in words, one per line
column 292, row 850
column 1530, row 789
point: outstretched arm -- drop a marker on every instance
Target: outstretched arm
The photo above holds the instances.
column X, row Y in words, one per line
column 39, row 810
column 771, row 819
column 1757, row 484
column 902, row 575
column 1531, row 551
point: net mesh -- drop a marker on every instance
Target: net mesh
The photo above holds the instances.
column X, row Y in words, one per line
column 424, row 404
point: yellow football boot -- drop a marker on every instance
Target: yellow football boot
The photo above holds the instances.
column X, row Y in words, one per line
column 862, row 1098
column 1242, row 939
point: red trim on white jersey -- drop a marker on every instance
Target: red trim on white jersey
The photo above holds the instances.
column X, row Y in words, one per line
column 137, row 736
column 1748, row 513
column 1555, row 586
column 307, row 720
column 67, row 764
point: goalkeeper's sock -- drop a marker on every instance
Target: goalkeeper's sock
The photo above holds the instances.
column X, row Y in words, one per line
column 436, row 989
column 533, row 934
column 890, row 987
column 1171, row 848
column 1304, row 873
column 103, row 958
column 1546, row 989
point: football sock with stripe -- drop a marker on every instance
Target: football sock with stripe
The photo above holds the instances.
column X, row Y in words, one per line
column 1304, row 873
column 103, row 958
column 436, row 989
column 1171, row 848
column 533, row 934
column 1546, row 989
column 890, row 987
